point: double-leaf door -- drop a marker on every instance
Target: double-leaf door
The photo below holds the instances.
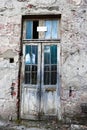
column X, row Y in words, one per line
column 39, row 89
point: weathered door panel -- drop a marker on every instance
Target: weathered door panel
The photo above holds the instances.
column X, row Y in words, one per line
column 31, row 81
column 49, row 103
column 39, row 97
column 49, row 84
column 30, row 104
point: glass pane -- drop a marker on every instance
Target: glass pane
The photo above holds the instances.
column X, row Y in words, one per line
column 27, row 67
column 34, row 68
column 29, row 25
column 53, row 67
column 31, row 60
column 35, row 32
column 27, row 78
column 48, row 32
column 34, row 74
column 46, row 78
column 46, row 68
column 34, row 54
column 53, row 77
column 28, row 54
column 28, row 49
column 34, row 77
column 46, row 54
column 54, row 29
column 54, row 54
column 50, row 64
column 31, row 54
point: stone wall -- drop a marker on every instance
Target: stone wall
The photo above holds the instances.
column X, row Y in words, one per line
column 73, row 59
column 73, row 64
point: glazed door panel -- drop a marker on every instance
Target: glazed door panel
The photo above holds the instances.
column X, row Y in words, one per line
column 49, row 83
column 40, row 84
column 30, row 102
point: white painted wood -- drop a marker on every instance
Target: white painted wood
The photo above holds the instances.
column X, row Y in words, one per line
column 49, row 98
column 29, row 92
column 32, row 104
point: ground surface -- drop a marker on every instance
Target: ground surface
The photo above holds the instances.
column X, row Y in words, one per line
column 45, row 125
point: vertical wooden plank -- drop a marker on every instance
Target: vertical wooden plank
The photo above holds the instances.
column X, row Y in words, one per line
column 24, row 30
column 25, row 101
column 41, row 33
column 32, row 101
column 22, row 101
column 23, row 64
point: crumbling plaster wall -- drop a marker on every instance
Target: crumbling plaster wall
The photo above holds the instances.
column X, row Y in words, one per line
column 9, row 49
column 74, row 53
column 73, row 70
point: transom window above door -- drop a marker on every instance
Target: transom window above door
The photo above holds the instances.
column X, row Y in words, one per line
column 41, row 29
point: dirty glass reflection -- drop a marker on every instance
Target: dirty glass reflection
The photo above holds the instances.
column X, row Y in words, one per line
column 46, row 54
column 31, row 58
column 50, row 64
column 31, row 54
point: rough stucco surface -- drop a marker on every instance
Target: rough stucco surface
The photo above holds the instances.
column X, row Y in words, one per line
column 73, row 63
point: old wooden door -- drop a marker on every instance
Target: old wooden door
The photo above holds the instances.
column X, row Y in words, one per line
column 49, row 79
column 40, row 85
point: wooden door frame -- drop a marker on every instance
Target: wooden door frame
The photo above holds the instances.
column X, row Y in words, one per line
column 50, row 16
